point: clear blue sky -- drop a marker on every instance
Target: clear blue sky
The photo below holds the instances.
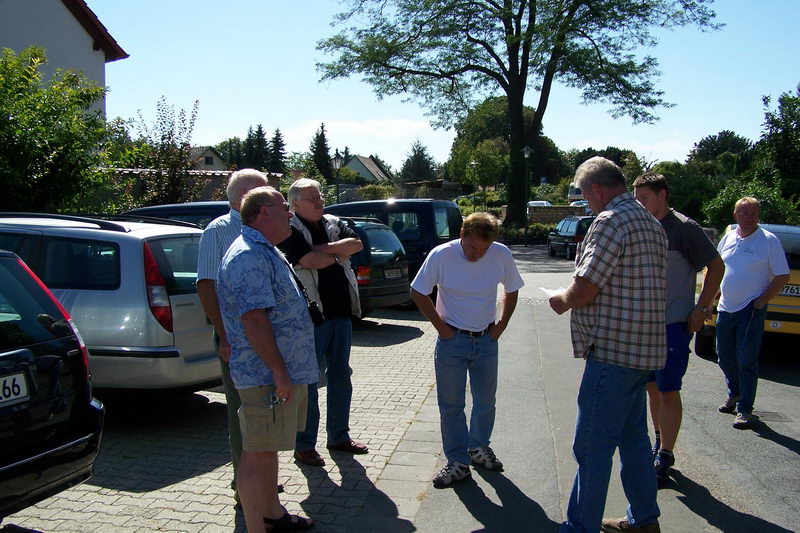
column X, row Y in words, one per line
column 253, row 61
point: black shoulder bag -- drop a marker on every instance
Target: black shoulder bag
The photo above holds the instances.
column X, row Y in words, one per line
column 313, row 308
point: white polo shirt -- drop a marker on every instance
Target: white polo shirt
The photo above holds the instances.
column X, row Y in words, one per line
column 467, row 296
column 750, row 264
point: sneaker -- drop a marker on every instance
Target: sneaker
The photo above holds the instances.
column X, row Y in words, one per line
column 664, row 461
column 743, row 421
column 656, row 445
column 614, row 525
column 485, row 457
column 451, row 473
column 729, row 405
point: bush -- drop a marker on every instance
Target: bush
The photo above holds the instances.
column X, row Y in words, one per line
column 537, row 233
column 376, row 192
column 775, row 209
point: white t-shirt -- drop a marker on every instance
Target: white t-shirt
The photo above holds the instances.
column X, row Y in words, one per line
column 750, row 264
column 467, row 296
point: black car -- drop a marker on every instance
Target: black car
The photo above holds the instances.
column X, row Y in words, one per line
column 200, row 213
column 567, row 234
column 420, row 224
column 381, row 268
column 50, row 426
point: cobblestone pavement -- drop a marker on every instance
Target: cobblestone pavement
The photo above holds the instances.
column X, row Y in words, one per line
column 164, row 463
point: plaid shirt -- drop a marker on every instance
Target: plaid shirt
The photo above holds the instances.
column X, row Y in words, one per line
column 625, row 255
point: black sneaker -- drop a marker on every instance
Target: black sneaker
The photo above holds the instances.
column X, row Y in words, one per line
column 663, row 463
column 451, row 473
column 729, row 405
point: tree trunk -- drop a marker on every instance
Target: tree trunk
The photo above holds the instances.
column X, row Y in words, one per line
column 515, row 215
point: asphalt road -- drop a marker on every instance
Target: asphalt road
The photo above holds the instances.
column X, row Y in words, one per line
column 724, row 479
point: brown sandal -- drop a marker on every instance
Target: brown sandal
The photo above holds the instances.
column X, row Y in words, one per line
column 288, row 522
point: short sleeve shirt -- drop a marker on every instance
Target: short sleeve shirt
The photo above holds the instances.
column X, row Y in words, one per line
column 215, row 241
column 467, row 296
column 750, row 264
column 624, row 254
column 689, row 250
column 334, row 288
column 254, row 275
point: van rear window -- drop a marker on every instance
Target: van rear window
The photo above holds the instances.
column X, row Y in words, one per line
column 177, row 260
column 405, row 224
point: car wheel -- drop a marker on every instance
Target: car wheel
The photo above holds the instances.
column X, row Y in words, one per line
column 568, row 252
column 705, row 343
column 550, row 250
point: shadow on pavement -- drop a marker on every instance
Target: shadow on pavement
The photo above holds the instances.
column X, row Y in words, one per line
column 765, row 432
column 778, row 362
column 725, row 518
column 152, row 440
column 373, row 333
column 518, row 512
column 354, row 506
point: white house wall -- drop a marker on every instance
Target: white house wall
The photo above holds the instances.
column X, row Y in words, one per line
column 49, row 24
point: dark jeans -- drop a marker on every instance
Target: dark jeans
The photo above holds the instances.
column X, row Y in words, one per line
column 739, row 338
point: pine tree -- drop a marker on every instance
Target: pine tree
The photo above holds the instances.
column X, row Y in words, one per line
column 231, row 151
column 260, row 148
column 249, row 149
column 320, row 154
column 276, row 162
column 419, row 166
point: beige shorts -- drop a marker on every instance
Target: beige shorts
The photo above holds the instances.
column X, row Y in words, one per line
column 271, row 430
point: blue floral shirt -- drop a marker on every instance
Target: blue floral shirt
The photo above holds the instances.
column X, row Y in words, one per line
column 253, row 275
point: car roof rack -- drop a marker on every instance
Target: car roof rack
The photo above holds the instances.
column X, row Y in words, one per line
column 102, row 224
column 360, row 219
column 133, row 217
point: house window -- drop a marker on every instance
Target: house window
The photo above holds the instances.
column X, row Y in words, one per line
column 209, row 160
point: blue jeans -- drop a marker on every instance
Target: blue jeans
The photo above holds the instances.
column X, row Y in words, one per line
column 739, row 338
column 332, row 342
column 611, row 414
column 454, row 358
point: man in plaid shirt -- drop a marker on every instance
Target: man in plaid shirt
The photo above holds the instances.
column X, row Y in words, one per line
column 618, row 299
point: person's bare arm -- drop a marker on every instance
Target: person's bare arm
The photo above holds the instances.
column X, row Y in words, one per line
column 426, row 307
column 317, row 260
column 507, row 309
column 207, row 291
column 258, row 330
column 579, row 293
column 772, row 291
column 714, row 272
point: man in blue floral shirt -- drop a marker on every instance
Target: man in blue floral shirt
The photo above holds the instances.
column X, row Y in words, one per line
column 272, row 354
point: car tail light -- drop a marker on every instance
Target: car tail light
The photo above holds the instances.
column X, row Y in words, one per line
column 579, row 238
column 65, row 314
column 362, row 274
column 157, row 295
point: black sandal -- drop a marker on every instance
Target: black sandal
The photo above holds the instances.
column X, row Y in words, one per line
column 288, row 522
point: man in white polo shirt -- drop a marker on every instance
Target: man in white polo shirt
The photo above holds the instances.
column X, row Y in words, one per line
column 755, row 272
column 467, row 272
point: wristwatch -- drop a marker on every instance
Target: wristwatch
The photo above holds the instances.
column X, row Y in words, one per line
column 703, row 308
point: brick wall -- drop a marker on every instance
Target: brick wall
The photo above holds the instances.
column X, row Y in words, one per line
column 551, row 215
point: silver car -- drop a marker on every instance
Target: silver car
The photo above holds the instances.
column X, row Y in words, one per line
column 130, row 288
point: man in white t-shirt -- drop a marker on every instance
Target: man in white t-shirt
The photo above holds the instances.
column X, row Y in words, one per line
column 467, row 272
column 755, row 272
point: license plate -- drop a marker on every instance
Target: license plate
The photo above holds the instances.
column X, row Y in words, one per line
column 790, row 290
column 13, row 388
column 392, row 273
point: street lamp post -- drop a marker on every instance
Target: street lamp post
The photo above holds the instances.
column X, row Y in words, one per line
column 337, row 165
column 526, row 151
column 474, row 165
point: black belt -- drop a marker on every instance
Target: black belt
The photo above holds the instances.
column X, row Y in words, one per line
column 473, row 333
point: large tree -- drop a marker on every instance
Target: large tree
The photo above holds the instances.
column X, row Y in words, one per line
column 780, row 141
column 321, row 154
column 276, row 161
column 419, row 165
column 50, row 135
column 712, row 146
column 449, row 54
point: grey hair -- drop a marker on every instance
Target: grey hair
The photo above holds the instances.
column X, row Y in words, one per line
column 599, row 171
column 294, row 189
column 238, row 181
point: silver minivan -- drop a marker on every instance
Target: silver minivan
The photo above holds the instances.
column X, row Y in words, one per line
column 130, row 289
